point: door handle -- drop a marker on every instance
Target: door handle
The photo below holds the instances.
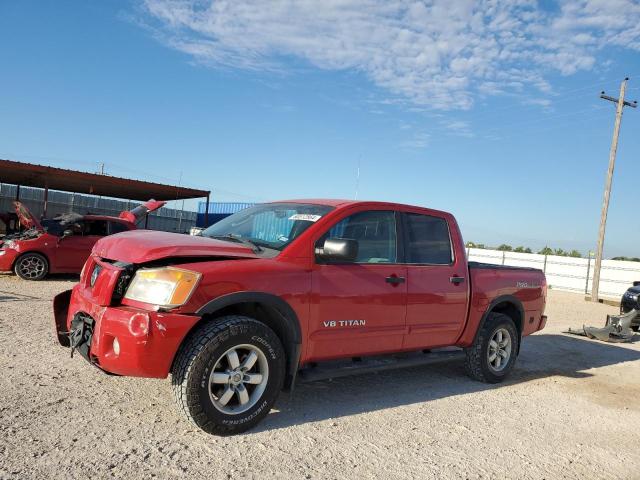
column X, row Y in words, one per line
column 456, row 280
column 394, row 280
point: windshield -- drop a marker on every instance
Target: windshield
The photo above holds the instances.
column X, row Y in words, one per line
column 270, row 225
column 52, row 226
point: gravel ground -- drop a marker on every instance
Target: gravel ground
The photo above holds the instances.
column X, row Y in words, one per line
column 568, row 411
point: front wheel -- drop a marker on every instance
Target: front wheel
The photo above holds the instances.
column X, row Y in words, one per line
column 31, row 266
column 228, row 374
column 493, row 354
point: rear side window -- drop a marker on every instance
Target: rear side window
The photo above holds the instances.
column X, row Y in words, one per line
column 117, row 227
column 428, row 240
column 375, row 232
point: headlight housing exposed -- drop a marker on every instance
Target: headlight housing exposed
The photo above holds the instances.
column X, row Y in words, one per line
column 166, row 287
column 8, row 244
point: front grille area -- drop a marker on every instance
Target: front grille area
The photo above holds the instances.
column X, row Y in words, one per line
column 124, row 279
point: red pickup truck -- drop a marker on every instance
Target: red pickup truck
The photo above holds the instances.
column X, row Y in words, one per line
column 294, row 291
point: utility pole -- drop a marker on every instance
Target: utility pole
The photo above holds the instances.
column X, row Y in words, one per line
column 620, row 104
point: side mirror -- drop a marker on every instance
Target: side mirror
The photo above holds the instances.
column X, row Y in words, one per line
column 339, row 249
column 65, row 234
column 635, row 284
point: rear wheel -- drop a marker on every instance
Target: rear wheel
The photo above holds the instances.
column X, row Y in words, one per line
column 31, row 266
column 493, row 354
column 228, row 374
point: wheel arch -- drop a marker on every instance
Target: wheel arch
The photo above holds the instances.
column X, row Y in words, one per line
column 510, row 306
column 271, row 310
column 22, row 254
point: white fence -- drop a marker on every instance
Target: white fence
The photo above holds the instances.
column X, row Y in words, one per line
column 567, row 273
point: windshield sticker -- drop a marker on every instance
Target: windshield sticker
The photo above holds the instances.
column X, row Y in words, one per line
column 306, row 217
column 282, row 238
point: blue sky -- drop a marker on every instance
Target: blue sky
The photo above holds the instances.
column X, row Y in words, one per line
column 488, row 111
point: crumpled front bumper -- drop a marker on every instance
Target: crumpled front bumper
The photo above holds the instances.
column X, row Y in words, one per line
column 121, row 340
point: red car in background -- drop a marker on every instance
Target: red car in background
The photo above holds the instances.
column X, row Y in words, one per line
column 61, row 244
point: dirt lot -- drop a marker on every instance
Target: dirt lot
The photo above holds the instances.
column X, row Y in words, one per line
column 570, row 410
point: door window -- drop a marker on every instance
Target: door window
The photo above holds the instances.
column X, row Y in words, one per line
column 117, row 227
column 428, row 240
column 375, row 231
column 96, row 228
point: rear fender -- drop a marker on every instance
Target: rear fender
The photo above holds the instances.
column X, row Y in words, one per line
column 509, row 300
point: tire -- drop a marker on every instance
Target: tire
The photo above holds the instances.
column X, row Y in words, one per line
column 477, row 358
column 31, row 266
column 210, row 385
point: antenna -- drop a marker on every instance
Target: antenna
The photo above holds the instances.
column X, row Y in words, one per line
column 358, row 177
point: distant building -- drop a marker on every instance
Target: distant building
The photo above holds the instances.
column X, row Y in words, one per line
column 218, row 211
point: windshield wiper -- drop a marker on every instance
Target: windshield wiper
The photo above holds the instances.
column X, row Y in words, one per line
column 234, row 238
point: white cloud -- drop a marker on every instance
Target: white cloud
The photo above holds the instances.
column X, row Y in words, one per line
column 438, row 54
column 419, row 140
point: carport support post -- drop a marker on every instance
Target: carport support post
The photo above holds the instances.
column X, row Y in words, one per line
column 46, row 201
column 17, row 193
column 206, row 212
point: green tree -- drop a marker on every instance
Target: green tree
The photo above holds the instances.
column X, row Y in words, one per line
column 560, row 252
column 627, row 259
column 575, row 254
column 519, row 249
column 546, row 251
column 505, row 248
column 527, row 250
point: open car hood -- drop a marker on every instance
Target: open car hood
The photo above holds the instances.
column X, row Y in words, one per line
column 27, row 219
column 141, row 211
column 142, row 246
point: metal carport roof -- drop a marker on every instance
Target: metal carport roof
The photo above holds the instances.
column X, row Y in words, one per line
column 53, row 178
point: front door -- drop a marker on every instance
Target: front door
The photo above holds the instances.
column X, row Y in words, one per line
column 437, row 283
column 359, row 308
column 73, row 251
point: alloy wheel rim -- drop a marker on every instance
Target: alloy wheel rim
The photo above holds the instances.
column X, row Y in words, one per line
column 238, row 379
column 31, row 267
column 499, row 351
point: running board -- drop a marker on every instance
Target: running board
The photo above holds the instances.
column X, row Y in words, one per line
column 345, row 367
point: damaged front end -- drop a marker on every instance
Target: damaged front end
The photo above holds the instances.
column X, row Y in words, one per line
column 18, row 236
column 80, row 334
column 117, row 336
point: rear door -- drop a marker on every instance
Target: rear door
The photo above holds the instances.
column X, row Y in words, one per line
column 359, row 308
column 437, row 283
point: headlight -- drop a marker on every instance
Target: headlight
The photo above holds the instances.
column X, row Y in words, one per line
column 165, row 287
column 9, row 244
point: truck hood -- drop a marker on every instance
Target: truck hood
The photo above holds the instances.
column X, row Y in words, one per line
column 141, row 246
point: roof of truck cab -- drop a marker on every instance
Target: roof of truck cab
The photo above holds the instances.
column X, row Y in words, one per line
column 334, row 202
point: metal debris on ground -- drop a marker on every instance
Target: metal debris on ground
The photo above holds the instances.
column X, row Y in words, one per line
column 617, row 329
